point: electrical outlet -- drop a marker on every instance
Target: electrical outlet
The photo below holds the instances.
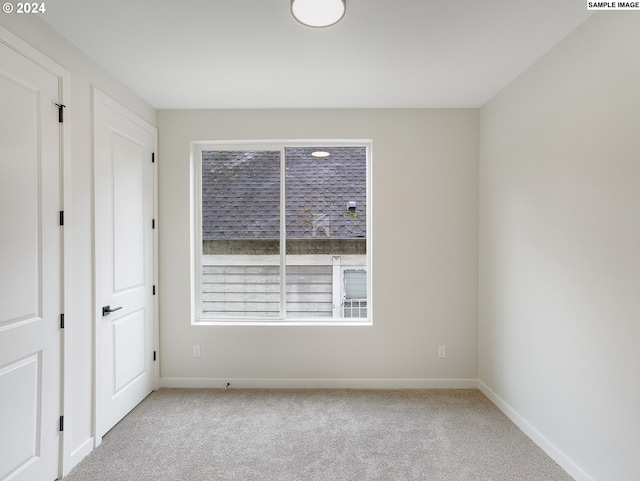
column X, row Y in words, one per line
column 196, row 351
column 442, row 352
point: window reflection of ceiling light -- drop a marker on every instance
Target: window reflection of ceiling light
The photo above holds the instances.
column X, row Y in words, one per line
column 320, row 153
column 318, row 13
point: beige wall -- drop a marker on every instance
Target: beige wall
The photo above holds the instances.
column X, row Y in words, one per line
column 424, row 228
column 85, row 74
column 559, row 281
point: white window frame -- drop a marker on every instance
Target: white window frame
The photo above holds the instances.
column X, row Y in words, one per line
column 196, row 149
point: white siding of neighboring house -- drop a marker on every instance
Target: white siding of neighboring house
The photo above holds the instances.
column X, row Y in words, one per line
column 249, row 285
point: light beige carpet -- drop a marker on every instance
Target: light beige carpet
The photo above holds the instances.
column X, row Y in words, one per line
column 314, row 435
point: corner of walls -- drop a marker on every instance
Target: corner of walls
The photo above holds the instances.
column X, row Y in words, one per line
column 535, row 435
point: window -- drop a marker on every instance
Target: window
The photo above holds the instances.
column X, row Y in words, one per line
column 281, row 232
column 354, row 300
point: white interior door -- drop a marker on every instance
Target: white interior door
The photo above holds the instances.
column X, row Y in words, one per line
column 124, row 200
column 30, row 270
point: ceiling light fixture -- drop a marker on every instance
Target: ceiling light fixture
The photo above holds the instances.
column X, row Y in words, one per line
column 318, row 13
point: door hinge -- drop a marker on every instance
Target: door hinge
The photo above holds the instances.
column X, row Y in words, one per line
column 60, row 112
column 61, row 423
column 154, row 290
column 153, row 157
column 153, row 223
column 61, row 217
column 154, row 355
column 61, row 321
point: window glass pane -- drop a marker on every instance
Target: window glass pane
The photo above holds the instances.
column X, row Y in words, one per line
column 240, row 233
column 326, row 196
column 323, row 273
column 325, row 215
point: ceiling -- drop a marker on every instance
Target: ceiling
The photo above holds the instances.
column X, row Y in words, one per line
column 196, row 54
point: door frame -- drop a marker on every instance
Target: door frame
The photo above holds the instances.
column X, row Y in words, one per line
column 98, row 96
column 64, row 95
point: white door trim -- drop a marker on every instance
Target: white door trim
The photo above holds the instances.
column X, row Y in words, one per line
column 64, row 89
column 100, row 97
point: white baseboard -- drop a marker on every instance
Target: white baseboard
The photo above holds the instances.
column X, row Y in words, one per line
column 536, row 436
column 78, row 455
column 173, row 382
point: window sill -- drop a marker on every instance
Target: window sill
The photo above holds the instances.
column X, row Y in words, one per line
column 283, row 323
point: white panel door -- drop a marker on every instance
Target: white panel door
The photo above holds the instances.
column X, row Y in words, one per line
column 124, row 200
column 30, row 270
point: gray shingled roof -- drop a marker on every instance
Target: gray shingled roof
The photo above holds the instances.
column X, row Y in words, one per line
column 241, row 193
